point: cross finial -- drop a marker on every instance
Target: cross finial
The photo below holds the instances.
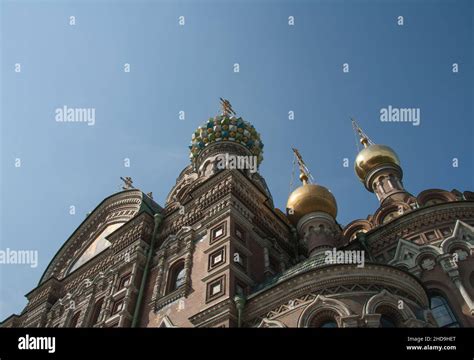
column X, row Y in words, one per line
column 364, row 139
column 305, row 175
column 127, row 183
column 226, row 107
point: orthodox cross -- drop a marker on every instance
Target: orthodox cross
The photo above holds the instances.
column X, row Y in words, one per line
column 364, row 138
column 127, row 181
column 226, row 107
column 303, row 168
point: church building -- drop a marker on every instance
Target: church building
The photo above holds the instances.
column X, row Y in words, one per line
column 218, row 253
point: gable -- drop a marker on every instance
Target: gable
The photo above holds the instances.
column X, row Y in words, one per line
column 90, row 238
column 99, row 244
column 408, row 252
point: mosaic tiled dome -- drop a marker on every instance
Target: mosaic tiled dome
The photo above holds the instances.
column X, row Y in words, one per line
column 226, row 128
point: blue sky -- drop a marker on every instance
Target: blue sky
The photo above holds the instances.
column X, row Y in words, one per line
column 282, row 68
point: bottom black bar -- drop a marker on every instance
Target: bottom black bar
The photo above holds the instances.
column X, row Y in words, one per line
column 214, row 343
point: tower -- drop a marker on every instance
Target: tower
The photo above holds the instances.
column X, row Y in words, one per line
column 221, row 235
column 379, row 169
column 312, row 209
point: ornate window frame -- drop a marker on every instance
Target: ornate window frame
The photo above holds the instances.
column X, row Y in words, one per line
column 173, row 272
column 320, row 307
column 387, row 300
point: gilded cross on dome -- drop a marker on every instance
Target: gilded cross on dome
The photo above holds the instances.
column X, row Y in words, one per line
column 226, row 107
column 364, row 139
column 127, row 182
column 305, row 175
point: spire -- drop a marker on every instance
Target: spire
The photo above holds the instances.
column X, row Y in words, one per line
column 305, row 175
column 364, row 138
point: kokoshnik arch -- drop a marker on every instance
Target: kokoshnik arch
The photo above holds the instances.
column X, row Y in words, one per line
column 219, row 254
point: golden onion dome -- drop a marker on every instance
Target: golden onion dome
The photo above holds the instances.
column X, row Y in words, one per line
column 373, row 156
column 310, row 198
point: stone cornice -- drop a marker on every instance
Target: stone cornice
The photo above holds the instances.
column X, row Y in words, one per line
column 213, row 313
column 170, row 298
column 416, row 221
column 340, row 278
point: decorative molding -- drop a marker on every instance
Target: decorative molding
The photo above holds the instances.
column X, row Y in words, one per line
column 266, row 323
column 463, row 235
column 120, row 207
column 319, row 304
column 386, row 298
column 416, row 221
column 166, row 323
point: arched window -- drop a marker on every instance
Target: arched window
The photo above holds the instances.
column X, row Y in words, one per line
column 329, row 324
column 96, row 311
column 390, row 317
column 442, row 312
column 177, row 276
column 324, row 319
column 75, row 320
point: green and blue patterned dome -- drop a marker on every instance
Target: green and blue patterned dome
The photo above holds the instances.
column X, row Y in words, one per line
column 226, row 128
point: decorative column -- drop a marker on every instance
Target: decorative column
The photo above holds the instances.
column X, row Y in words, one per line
column 188, row 264
column 451, row 268
column 350, row 321
column 266, row 261
column 159, row 277
column 372, row 320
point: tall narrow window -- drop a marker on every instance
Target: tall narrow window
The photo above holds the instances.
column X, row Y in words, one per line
column 179, row 279
column 177, row 276
column 96, row 313
column 442, row 312
column 75, row 320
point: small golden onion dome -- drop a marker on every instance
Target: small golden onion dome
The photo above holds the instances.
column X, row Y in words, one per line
column 373, row 156
column 310, row 198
